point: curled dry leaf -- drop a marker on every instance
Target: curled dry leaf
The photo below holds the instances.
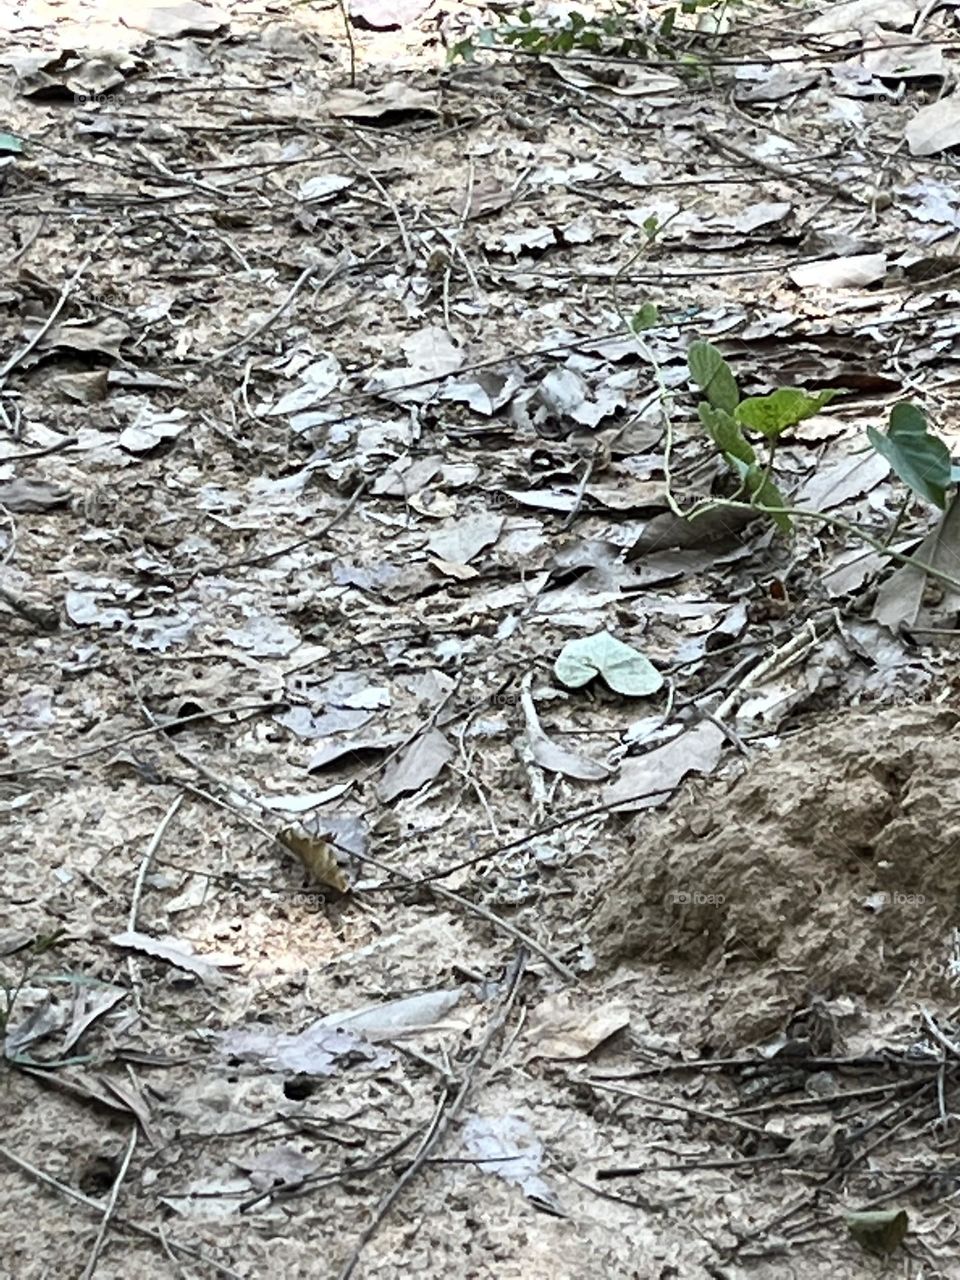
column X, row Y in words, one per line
column 318, row 859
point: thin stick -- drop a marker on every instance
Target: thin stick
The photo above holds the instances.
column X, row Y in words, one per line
column 111, row 1205
column 473, row 908
column 267, row 556
column 150, row 850
column 155, row 727
column 801, row 513
column 275, row 315
column 348, row 32
column 48, row 323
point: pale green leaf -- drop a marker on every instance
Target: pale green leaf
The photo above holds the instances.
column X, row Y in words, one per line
column 784, row 408
column 622, row 667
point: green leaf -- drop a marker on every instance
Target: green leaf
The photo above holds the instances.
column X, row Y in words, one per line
column 726, row 434
column 623, row 668
column 770, row 415
column 918, row 457
column 763, row 492
column 878, row 1230
column 646, row 317
column 712, row 375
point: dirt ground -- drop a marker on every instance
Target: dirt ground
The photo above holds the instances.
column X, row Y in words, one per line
column 341, row 937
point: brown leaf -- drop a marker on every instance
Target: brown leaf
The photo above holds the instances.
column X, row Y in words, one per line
column 317, row 857
column 650, row 779
column 418, row 764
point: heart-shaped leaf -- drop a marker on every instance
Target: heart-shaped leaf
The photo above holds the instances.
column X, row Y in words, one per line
column 623, row 668
column 726, row 434
column 783, row 408
column 918, row 457
column 712, row 375
column 763, row 492
column 879, row 1230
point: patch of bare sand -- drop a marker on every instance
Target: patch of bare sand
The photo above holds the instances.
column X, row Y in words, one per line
column 828, row 868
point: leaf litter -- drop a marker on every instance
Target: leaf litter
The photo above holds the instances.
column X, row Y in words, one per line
column 343, row 433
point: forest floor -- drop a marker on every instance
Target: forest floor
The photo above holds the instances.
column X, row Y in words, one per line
column 345, row 933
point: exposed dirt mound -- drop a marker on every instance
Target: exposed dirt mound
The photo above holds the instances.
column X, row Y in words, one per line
column 832, row 864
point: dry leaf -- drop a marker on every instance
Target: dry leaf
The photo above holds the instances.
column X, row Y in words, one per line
column 22, row 496
column 557, row 1030
column 318, row 858
column 419, row 764
column 649, row 780
column 175, row 952
column 840, row 273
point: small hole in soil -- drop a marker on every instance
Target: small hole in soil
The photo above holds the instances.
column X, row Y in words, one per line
column 298, row 1089
column 98, row 1175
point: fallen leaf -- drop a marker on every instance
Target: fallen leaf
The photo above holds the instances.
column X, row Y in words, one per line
column 420, row 763
column 168, row 21
column 834, row 485
column 624, row 669
column 559, row 1030
column 397, row 1019
column 650, row 779
column 861, row 16
column 460, row 541
column 899, row 599
column 318, row 859
column 21, row 496
column 935, row 127
column 392, row 99
column 551, row 755
column 508, row 1146
column 879, row 1231
column 840, row 273
column 317, row 1050
column 175, row 952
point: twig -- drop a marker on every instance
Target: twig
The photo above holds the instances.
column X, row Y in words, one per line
column 150, row 850
column 581, row 488
column 440, row 1122
column 66, row 443
column 348, row 32
column 801, row 513
column 275, row 315
column 723, row 145
column 47, row 324
column 45, row 619
column 473, row 908
column 714, row 1116
column 385, row 195
column 110, row 1207
column 28, row 242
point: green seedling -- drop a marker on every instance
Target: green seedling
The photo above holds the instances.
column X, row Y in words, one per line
column 726, row 416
